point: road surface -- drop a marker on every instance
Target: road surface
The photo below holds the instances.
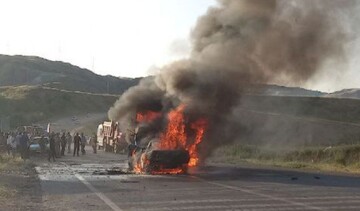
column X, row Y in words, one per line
column 82, row 183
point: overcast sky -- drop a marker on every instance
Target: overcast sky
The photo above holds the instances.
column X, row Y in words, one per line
column 118, row 37
column 122, row 38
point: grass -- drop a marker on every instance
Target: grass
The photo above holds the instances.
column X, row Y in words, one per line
column 343, row 110
column 9, row 164
column 7, row 192
column 342, row 158
column 25, row 105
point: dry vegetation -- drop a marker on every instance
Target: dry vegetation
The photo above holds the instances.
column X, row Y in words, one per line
column 18, row 183
column 8, row 165
column 342, row 158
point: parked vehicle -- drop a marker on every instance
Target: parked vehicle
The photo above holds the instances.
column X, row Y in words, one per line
column 110, row 138
column 35, row 145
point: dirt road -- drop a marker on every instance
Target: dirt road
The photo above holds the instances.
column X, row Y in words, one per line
column 82, row 183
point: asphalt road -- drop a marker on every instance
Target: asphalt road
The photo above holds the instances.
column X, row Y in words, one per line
column 82, row 183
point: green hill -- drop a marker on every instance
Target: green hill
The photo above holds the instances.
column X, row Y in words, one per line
column 25, row 105
column 28, row 70
column 334, row 109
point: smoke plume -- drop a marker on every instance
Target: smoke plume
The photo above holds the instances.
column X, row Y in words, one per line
column 239, row 43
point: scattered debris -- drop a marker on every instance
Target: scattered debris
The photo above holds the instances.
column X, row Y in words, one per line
column 129, row 181
column 316, row 177
column 112, row 171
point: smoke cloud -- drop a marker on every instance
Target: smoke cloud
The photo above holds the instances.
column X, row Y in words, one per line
column 237, row 44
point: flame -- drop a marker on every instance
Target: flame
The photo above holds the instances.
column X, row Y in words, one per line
column 147, row 116
column 174, row 137
column 137, row 168
column 169, row 171
column 199, row 126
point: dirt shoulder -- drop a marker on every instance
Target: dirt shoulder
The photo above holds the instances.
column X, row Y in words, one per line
column 19, row 185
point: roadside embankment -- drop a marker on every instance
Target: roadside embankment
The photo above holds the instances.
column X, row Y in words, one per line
column 19, row 184
column 342, row 158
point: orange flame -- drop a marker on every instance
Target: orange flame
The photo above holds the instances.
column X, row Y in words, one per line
column 169, row 171
column 137, row 168
column 200, row 127
column 174, row 137
column 147, row 116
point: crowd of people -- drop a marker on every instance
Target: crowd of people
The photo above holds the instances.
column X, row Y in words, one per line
column 15, row 143
column 54, row 144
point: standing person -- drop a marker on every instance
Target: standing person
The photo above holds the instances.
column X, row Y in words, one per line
column 57, row 145
column 42, row 144
column 17, row 141
column 93, row 142
column 13, row 145
column 24, row 141
column 63, row 144
column 68, row 140
column 77, row 141
column 83, row 143
column 2, row 139
column 52, row 150
column 9, row 140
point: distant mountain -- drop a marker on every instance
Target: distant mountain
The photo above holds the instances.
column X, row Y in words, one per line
column 345, row 93
column 276, row 90
column 29, row 70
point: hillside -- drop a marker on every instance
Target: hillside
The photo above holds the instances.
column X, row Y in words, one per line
column 28, row 70
column 276, row 90
column 345, row 93
column 343, row 110
column 24, row 105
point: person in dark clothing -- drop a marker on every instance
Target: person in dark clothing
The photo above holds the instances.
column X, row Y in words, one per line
column 24, row 142
column 77, row 140
column 57, row 145
column 63, row 144
column 83, row 143
column 42, row 144
column 52, row 150
column 69, row 140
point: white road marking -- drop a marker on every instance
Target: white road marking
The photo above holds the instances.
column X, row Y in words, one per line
column 260, row 194
column 207, row 201
column 102, row 196
column 200, row 201
column 251, row 207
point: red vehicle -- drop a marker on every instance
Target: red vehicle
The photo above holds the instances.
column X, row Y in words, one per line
column 110, row 137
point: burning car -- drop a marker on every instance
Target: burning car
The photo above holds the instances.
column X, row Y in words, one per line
column 153, row 160
column 170, row 150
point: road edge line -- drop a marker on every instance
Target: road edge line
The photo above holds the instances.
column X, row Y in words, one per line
column 102, row 196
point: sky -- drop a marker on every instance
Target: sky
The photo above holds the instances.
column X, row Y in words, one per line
column 127, row 38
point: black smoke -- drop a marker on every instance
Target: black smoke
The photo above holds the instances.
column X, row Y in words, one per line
column 237, row 44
